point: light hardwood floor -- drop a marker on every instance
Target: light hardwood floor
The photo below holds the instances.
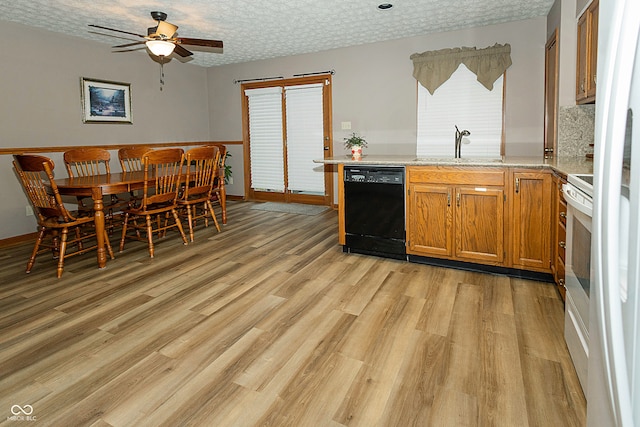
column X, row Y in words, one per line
column 270, row 323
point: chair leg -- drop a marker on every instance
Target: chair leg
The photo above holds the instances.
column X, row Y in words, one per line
column 63, row 249
column 124, row 231
column 213, row 214
column 190, row 220
column 78, row 234
column 179, row 224
column 223, row 202
column 150, row 236
column 108, row 244
column 34, row 254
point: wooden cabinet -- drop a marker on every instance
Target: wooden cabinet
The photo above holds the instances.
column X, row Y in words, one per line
column 479, row 226
column 559, row 233
column 587, row 55
column 456, row 213
column 531, row 220
column 430, row 219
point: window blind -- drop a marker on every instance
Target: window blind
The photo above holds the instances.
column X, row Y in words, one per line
column 265, row 133
column 305, row 138
column 464, row 102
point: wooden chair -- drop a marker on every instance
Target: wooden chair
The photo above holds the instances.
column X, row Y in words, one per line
column 131, row 161
column 219, row 192
column 202, row 170
column 89, row 162
column 163, row 179
column 131, row 157
column 54, row 220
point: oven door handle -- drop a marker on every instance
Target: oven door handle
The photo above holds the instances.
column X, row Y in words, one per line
column 575, row 203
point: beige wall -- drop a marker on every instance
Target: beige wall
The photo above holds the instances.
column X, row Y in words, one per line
column 373, row 87
column 40, row 103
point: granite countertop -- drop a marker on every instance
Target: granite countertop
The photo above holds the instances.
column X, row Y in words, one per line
column 563, row 165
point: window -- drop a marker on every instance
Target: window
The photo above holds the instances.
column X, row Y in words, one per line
column 461, row 101
column 305, row 137
column 265, row 131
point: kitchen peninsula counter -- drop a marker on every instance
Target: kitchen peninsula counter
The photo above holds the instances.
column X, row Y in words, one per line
column 562, row 165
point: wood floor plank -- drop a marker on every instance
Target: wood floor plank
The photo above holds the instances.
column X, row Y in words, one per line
column 269, row 322
column 420, row 379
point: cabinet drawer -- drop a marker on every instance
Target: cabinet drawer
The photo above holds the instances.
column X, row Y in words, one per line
column 455, row 175
column 562, row 240
column 560, row 271
column 560, row 280
column 562, row 214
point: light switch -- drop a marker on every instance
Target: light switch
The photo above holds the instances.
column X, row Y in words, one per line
column 346, row 125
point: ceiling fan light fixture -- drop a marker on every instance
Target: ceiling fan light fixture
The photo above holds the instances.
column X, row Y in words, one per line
column 160, row 47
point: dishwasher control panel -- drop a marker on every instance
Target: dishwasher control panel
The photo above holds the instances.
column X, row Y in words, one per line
column 378, row 175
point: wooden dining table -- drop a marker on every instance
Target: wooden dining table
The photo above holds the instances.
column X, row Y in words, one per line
column 96, row 187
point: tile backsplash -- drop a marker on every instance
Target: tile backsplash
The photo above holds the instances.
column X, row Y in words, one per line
column 576, row 127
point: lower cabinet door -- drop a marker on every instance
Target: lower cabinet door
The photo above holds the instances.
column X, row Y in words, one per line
column 480, row 224
column 532, row 220
column 429, row 224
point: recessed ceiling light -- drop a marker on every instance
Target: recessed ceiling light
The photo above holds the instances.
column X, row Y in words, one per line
column 385, row 6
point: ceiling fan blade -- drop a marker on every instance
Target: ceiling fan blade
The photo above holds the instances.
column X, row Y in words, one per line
column 128, row 44
column 182, row 51
column 119, row 31
column 199, row 42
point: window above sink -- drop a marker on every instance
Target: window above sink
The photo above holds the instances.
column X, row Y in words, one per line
column 464, row 102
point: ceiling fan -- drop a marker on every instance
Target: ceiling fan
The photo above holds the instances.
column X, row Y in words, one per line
column 161, row 40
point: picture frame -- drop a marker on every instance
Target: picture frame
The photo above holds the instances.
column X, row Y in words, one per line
column 105, row 101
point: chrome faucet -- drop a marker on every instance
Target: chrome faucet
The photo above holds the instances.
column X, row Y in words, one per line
column 459, row 136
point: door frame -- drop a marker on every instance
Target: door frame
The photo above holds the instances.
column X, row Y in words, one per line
column 287, row 196
column 550, row 144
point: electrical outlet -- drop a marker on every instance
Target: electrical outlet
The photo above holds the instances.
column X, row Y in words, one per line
column 29, row 210
column 230, row 180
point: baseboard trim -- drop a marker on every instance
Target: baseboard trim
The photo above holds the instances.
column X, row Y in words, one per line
column 482, row 268
column 17, row 240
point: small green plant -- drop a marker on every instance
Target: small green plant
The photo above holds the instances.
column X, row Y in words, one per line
column 355, row 141
column 227, row 168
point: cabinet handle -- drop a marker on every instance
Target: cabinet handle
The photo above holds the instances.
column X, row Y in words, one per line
column 458, row 199
column 561, row 282
column 562, row 244
column 517, row 185
column 563, row 214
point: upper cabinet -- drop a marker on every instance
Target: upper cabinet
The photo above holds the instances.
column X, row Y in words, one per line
column 587, row 56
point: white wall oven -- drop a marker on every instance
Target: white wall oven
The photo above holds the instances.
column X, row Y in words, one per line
column 578, row 193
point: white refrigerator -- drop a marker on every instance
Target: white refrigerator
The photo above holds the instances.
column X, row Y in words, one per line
column 613, row 387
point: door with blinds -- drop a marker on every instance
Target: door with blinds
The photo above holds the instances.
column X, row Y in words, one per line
column 287, row 125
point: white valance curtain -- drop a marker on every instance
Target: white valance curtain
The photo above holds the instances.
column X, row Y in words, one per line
column 433, row 68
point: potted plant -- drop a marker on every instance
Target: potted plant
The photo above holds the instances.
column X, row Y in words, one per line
column 227, row 168
column 356, row 143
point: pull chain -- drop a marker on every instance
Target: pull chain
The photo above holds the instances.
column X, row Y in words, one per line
column 161, row 72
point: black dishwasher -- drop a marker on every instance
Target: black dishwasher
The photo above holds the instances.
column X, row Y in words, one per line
column 374, row 211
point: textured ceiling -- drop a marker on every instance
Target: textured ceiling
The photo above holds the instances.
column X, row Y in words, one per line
column 253, row 29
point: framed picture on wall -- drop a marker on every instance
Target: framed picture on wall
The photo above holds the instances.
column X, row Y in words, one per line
column 105, row 102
